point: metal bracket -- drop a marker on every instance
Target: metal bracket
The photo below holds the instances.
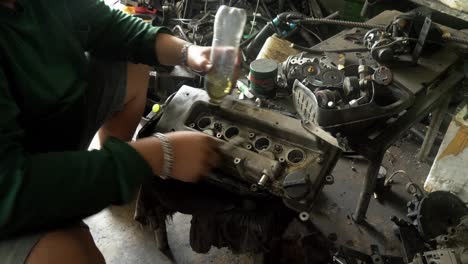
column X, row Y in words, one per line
column 422, row 39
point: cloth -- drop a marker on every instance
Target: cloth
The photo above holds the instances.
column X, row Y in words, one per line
column 46, row 177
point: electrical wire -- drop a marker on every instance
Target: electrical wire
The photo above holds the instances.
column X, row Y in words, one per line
column 181, row 30
column 311, row 32
column 255, row 16
column 387, row 181
column 267, row 11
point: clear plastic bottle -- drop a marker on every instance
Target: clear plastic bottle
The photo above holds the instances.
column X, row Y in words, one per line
column 228, row 29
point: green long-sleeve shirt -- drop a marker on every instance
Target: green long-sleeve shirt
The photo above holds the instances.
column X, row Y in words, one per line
column 44, row 179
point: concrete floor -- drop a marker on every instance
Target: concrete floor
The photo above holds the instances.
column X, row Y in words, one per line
column 122, row 240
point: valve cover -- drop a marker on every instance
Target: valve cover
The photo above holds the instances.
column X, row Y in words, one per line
column 263, row 152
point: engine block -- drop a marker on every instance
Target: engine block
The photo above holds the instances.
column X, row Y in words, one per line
column 263, row 152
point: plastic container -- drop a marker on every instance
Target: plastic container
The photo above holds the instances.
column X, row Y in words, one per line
column 277, row 49
column 228, row 30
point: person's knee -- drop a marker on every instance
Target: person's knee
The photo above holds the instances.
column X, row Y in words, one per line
column 73, row 245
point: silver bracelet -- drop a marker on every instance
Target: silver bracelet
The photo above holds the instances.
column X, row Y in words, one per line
column 184, row 53
column 168, row 155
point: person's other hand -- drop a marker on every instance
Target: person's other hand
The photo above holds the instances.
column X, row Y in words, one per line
column 195, row 154
column 198, row 58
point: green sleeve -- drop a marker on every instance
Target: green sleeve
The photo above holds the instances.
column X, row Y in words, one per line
column 115, row 34
column 42, row 190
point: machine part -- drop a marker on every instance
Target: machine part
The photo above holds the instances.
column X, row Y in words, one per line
column 350, row 85
column 329, row 179
column 433, row 214
column 296, row 156
column 376, row 257
column 262, row 76
column 370, row 142
column 263, row 180
column 253, row 49
column 349, row 110
column 325, row 97
column 370, row 182
column 296, row 185
column 441, row 256
column 456, row 237
column 304, row 216
column 422, row 39
column 337, row 22
column 305, row 102
column 262, row 144
column 204, row 123
column 312, row 71
column 411, row 241
column 321, row 52
column 382, row 76
column 237, row 124
column 438, row 116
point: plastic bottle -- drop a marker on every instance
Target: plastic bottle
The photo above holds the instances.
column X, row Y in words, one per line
column 228, row 29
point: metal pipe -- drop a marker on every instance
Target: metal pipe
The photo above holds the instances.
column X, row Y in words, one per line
column 311, row 20
column 431, row 133
column 333, row 15
column 318, row 51
column 370, row 181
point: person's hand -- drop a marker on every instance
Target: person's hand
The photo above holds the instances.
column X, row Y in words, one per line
column 198, row 58
column 195, row 154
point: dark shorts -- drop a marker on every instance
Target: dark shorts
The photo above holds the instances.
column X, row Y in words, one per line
column 106, row 96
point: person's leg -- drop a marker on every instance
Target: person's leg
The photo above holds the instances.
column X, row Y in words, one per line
column 123, row 124
column 70, row 245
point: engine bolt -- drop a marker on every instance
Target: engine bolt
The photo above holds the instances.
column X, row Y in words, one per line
column 251, row 135
column 278, row 148
column 218, row 126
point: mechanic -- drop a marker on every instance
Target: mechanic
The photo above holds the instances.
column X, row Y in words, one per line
column 64, row 76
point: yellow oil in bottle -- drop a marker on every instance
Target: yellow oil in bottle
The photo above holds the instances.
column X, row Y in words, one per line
column 217, row 85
